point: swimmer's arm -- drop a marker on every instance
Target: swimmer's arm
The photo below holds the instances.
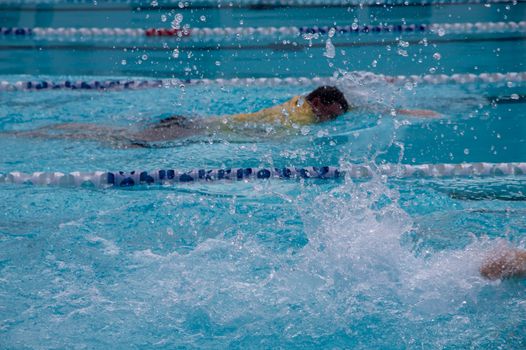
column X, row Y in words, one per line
column 422, row 113
column 510, row 263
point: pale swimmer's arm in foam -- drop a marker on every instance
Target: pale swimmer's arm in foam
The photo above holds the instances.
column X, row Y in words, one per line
column 504, row 263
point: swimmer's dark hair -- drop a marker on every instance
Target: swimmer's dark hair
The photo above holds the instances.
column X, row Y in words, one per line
column 328, row 95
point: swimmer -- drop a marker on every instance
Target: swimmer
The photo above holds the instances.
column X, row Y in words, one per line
column 504, row 263
column 323, row 104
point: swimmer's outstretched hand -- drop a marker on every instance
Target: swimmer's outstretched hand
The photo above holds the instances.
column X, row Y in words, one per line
column 504, row 263
column 422, row 113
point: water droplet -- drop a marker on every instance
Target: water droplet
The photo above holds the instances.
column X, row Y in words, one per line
column 374, row 63
column 300, row 102
column 354, row 26
column 402, row 52
column 330, row 50
column 466, row 151
column 441, row 32
column 332, row 31
column 154, row 3
column 175, row 53
column 322, row 133
column 176, row 23
column 409, row 86
column 432, row 70
column 163, row 18
column 144, row 57
column 437, row 56
column 203, row 18
column 218, row 63
column 514, row 96
column 123, row 62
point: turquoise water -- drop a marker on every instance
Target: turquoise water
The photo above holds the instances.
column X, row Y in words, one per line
column 230, row 56
column 383, row 264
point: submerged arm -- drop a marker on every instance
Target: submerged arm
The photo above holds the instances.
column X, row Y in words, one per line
column 422, row 113
column 68, row 131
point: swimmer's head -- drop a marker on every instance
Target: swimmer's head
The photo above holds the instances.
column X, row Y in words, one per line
column 327, row 102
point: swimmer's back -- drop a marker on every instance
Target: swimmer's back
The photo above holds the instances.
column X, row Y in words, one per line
column 294, row 111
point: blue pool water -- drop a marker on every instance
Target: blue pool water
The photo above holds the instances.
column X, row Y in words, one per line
column 383, row 263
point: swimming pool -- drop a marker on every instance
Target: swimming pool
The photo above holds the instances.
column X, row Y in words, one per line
column 303, row 263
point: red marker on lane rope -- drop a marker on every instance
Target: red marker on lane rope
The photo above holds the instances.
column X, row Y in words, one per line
column 167, row 32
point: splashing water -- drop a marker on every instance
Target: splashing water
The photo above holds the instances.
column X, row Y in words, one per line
column 330, row 50
column 212, row 275
column 352, row 281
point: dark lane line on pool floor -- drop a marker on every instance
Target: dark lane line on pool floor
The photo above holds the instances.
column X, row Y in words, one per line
column 511, row 99
column 274, row 47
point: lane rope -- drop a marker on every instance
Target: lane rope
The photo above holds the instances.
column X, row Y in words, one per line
column 171, row 176
column 233, row 33
column 259, row 3
column 255, row 4
column 361, row 77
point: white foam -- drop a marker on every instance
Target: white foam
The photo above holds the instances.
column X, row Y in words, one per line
column 108, row 247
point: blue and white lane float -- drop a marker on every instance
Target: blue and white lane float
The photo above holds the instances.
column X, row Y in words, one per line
column 361, row 77
column 118, row 179
column 237, row 3
column 234, row 33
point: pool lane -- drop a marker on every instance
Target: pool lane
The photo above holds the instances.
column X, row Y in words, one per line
column 159, row 58
column 102, row 16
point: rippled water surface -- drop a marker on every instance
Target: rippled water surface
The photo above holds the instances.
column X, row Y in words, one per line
column 306, row 264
